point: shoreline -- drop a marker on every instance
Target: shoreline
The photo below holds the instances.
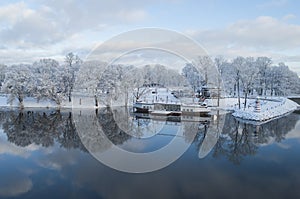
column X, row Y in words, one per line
column 271, row 108
column 270, row 112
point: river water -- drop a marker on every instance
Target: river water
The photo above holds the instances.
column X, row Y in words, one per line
column 44, row 155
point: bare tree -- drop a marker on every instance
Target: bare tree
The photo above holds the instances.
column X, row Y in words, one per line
column 238, row 63
column 263, row 63
column 219, row 61
column 204, row 64
column 248, row 72
column 72, row 65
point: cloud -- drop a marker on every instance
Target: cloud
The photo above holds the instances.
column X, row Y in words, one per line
column 262, row 36
column 58, row 159
column 11, row 13
column 11, row 149
column 50, row 22
column 288, row 17
column 15, row 185
column 264, row 32
column 25, row 27
column 294, row 134
column 30, row 30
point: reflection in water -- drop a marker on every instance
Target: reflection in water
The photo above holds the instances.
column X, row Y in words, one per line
column 146, row 157
column 41, row 128
column 111, row 128
column 15, row 183
column 225, row 135
column 211, row 135
column 240, row 139
column 60, row 167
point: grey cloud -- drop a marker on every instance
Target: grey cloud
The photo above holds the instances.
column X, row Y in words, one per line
column 50, row 22
column 263, row 36
column 264, row 33
column 11, row 149
column 15, row 185
column 33, row 30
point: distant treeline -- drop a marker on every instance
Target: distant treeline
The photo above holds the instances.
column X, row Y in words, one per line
column 46, row 79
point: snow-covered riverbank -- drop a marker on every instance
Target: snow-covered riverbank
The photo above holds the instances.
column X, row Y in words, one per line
column 32, row 103
column 270, row 109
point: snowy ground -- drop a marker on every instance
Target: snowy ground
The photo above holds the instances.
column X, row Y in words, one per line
column 32, row 103
column 270, row 108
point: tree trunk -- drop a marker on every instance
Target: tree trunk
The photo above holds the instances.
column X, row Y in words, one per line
column 234, row 90
column 96, row 101
column 238, row 92
column 20, row 98
column 245, row 102
column 126, row 98
column 219, row 85
column 265, row 81
column 271, row 92
column 58, row 107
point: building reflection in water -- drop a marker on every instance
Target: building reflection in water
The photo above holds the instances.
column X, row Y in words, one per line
column 223, row 135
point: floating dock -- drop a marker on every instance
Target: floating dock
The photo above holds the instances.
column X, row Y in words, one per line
column 162, row 113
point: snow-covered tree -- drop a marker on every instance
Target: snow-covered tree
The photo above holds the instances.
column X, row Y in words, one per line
column 193, row 76
column 18, row 83
column 220, row 63
column 73, row 61
column 88, row 77
column 238, row 63
column 202, row 63
column 136, row 82
column 48, row 81
column 119, row 82
column 248, row 73
column 273, row 80
column 206, row 66
column 3, row 69
column 228, row 76
column 162, row 75
column 72, row 66
column 263, row 63
column 282, row 80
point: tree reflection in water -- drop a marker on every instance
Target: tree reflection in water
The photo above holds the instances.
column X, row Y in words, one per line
column 230, row 138
column 41, row 127
column 110, row 127
column 241, row 139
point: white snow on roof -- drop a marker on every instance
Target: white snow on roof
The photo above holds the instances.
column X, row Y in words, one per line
column 159, row 95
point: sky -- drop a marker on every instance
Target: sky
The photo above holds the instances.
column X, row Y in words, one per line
column 35, row 29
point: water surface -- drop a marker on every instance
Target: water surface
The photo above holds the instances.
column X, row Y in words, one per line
column 42, row 156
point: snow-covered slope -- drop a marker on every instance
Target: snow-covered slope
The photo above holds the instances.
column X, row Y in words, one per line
column 269, row 109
